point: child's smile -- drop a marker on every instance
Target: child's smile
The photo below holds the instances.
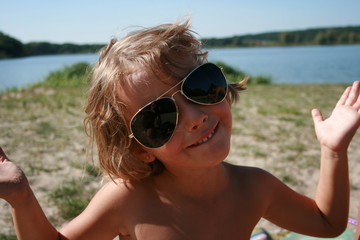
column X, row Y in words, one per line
column 206, row 137
column 202, row 136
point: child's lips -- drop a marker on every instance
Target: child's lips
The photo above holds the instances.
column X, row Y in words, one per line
column 206, row 137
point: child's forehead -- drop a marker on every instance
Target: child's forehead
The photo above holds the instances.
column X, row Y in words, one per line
column 145, row 80
column 140, row 86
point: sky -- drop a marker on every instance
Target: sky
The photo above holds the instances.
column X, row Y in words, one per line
column 97, row 21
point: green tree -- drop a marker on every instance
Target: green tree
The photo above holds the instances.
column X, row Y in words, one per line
column 10, row 47
column 286, row 38
column 320, row 38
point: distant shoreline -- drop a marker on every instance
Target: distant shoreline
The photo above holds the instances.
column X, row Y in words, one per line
column 300, row 64
column 12, row 48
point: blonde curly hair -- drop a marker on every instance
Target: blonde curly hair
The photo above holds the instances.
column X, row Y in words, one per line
column 158, row 50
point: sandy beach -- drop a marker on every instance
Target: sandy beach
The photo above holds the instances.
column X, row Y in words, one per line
column 41, row 130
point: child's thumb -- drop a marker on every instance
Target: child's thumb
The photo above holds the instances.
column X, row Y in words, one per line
column 3, row 156
column 317, row 116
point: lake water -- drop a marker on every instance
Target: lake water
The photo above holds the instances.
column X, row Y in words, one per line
column 304, row 64
column 20, row 72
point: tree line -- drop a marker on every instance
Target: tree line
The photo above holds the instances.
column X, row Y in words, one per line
column 12, row 48
column 316, row 36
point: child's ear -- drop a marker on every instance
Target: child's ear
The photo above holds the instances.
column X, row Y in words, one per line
column 144, row 155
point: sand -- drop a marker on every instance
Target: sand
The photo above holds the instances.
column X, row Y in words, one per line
column 283, row 146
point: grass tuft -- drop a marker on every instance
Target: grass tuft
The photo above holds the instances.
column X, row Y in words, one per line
column 234, row 75
column 45, row 129
column 71, row 198
column 76, row 75
column 7, row 237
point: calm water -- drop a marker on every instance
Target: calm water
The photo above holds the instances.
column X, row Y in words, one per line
column 21, row 72
column 309, row 64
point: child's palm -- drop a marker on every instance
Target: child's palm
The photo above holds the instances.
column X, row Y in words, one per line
column 12, row 180
column 337, row 131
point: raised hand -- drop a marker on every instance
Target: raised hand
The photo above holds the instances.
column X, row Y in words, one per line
column 337, row 131
column 13, row 183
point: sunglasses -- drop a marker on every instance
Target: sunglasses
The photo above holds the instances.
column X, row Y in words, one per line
column 154, row 124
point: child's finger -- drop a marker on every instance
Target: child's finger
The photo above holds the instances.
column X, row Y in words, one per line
column 3, row 156
column 353, row 94
column 344, row 96
column 357, row 103
column 317, row 116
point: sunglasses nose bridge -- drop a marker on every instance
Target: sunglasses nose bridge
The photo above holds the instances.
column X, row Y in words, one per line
column 191, row 116
column 172, row 95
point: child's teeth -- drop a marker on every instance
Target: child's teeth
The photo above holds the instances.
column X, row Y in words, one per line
column 205, row 139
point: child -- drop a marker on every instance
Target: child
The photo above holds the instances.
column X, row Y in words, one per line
column 160, row 116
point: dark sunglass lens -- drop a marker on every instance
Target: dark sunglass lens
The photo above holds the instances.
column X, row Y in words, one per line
column 206, row 85
column 154, row 125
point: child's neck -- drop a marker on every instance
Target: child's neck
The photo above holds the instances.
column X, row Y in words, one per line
column 203, row 184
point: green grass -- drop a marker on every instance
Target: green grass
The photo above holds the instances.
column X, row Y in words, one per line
column 45, row 129
column 76, row 75
column 71, row 197
column 7, row 237
column 234, row 75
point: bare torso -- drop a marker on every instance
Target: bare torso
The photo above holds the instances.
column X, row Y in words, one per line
column 233, row 215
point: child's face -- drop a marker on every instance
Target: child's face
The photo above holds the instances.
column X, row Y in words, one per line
column 202, row 134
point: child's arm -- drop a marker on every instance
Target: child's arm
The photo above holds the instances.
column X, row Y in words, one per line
column 100, row 220
column 29, row 219
column 334, row 135
column 327, row 214
column 357, row 233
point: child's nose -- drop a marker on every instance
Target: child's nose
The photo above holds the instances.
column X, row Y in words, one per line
column 191, row 115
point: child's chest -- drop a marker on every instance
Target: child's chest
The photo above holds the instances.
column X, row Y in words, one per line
column 228, row 219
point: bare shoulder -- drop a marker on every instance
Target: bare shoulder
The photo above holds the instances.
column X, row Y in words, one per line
column 109, row 212
column 248, row 173
column 122, row 194
column 252, row 189
column 261, row 183
column 253, row 179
